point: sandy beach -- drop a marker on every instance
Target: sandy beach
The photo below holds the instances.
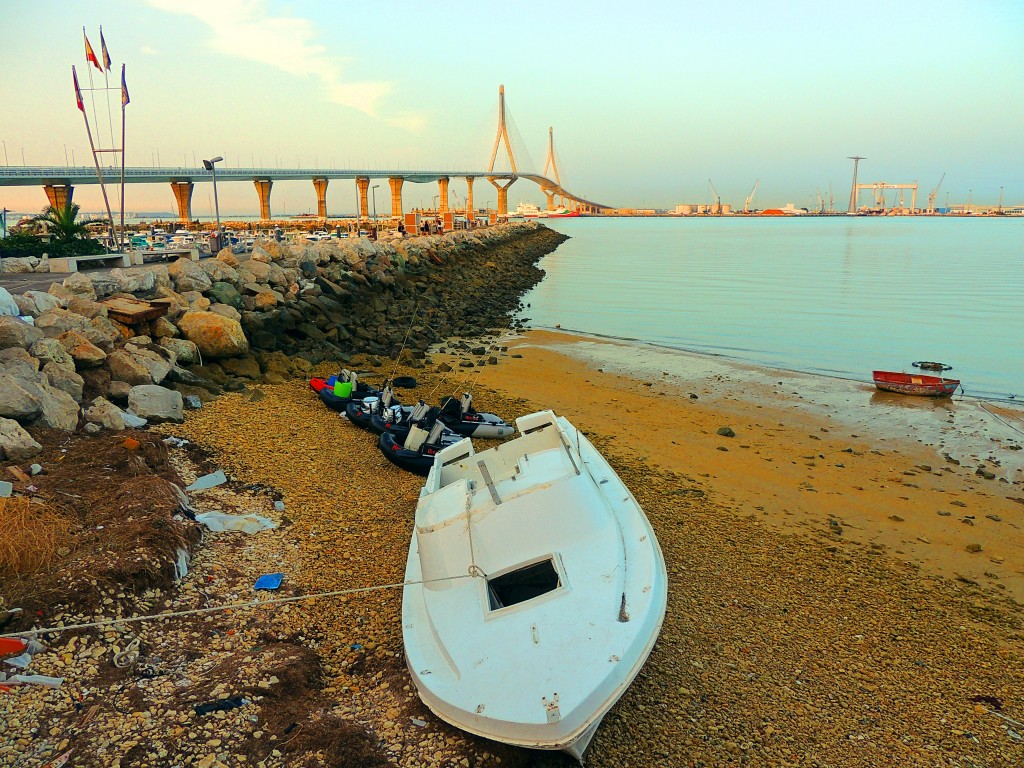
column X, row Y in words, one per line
column 822, row 608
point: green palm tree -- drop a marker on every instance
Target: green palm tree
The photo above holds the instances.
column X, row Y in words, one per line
column 63, row 223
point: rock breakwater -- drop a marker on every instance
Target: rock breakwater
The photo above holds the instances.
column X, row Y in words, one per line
column 66, row 362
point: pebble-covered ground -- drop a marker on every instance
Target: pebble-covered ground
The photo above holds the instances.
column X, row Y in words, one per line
column 777, row 649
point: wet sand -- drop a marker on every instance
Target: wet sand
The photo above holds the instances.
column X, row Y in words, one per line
column 808, row 450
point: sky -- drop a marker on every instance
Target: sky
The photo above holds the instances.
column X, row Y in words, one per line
column 651, row 102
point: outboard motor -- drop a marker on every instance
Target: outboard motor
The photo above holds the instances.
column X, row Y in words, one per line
column 466, row 403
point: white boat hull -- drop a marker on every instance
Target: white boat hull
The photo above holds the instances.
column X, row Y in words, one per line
column 542, row 671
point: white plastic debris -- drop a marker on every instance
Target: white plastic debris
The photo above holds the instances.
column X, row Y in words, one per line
column 279, row 506
column 220, row 521
column 133, row 421
column 211, row 480
column 181, row 564
column 51, row 682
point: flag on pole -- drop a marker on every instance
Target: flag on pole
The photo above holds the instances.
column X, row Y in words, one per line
column 78, row 92
column 103, row 51
column 90, row 54
column 124, row 90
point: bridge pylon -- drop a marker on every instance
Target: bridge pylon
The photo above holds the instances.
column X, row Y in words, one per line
column 502, row 134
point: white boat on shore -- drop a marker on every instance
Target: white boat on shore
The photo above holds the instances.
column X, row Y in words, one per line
column 535, row 588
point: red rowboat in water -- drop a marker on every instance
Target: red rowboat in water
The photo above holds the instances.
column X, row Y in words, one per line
column 915, row 384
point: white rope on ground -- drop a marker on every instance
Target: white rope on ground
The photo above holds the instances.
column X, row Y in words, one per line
column 229, row 606
column 997, row 417
column 398, row 357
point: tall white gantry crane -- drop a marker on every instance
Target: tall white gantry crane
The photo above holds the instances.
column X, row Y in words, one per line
column 933, row 193
column 750, row 197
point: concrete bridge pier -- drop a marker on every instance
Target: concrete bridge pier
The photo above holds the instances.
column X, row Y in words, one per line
column 263, row 190
column 363, row 184
column 502, row 194
column 396, row 196
column 183, row 195
column 59, row 195
column 442, row 190
column 469, row 201
column 320, row 185
column 550, row 195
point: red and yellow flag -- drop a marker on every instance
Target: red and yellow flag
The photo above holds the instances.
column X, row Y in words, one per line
column 90, row 54
column 103, row 51
column 78, row 91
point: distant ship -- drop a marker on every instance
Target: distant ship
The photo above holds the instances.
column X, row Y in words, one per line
column 527, row 211
column 560, row 213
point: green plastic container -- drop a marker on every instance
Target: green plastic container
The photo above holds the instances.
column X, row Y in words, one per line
column 343, row 388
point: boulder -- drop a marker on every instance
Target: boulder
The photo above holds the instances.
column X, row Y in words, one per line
column 20, row 265
column 118, row 391
column 227, row 311
column 59, row 377
column 52, row 351
column 254, row 272
column 80, row 285
column 219, row 271
column 56, row 321
column 134, row 280
column 225, row 293
column 42, row 301
column 15, row 443
column 19, row 399
column 214, row 335
column 106, row 414
column 157, row 404
column 155, row 363
column 102, row 332
column 59, row 411
column 17, row 355
column 196, row 301
column 225, row 255
column 189, row 276
column 86, row 308
column 125, row 367
column 246, row 367
column 265, row 300
column 8, row 306
column 161, row 327
column 15, row 332
column 82, row 351
column 260, row 254
column 185, row 351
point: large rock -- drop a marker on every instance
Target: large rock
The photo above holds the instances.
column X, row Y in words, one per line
column 156, row 404
column 65, row 380
column 185, row 351
column 214, row 335
column 86, row 308
column 245, row 367
column 124, row 366
column 80, row 285
column 52, row 351
column 134, row 280
column 59, row 411
column 105, row 413
column 225, row 293
column 15, row 443
column 254, row 272
column 82, row 351
column 227, row 311
column 157, row 364
column 189, row 276
column 15, row 332
column 8, row 306
column 219, row 271
column 42, row 301
column 18, row 398
column 56, row 321
column 20, row 265
column 225, row 255
column 162, row 327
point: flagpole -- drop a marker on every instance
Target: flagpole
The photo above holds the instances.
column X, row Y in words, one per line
column 96, row 162
column 92, row 87
column 106, row 92
column 123, row 105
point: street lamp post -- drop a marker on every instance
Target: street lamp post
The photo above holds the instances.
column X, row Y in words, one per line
column 211, row 165
column 373, row 193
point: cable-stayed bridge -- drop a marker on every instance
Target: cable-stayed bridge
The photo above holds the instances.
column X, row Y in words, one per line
column 59, row 182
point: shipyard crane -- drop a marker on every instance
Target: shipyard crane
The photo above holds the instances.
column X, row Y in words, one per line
column 750, row 197
column 716, row 198
column 933, row 193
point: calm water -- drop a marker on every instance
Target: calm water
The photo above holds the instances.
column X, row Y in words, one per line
column 829, row 295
